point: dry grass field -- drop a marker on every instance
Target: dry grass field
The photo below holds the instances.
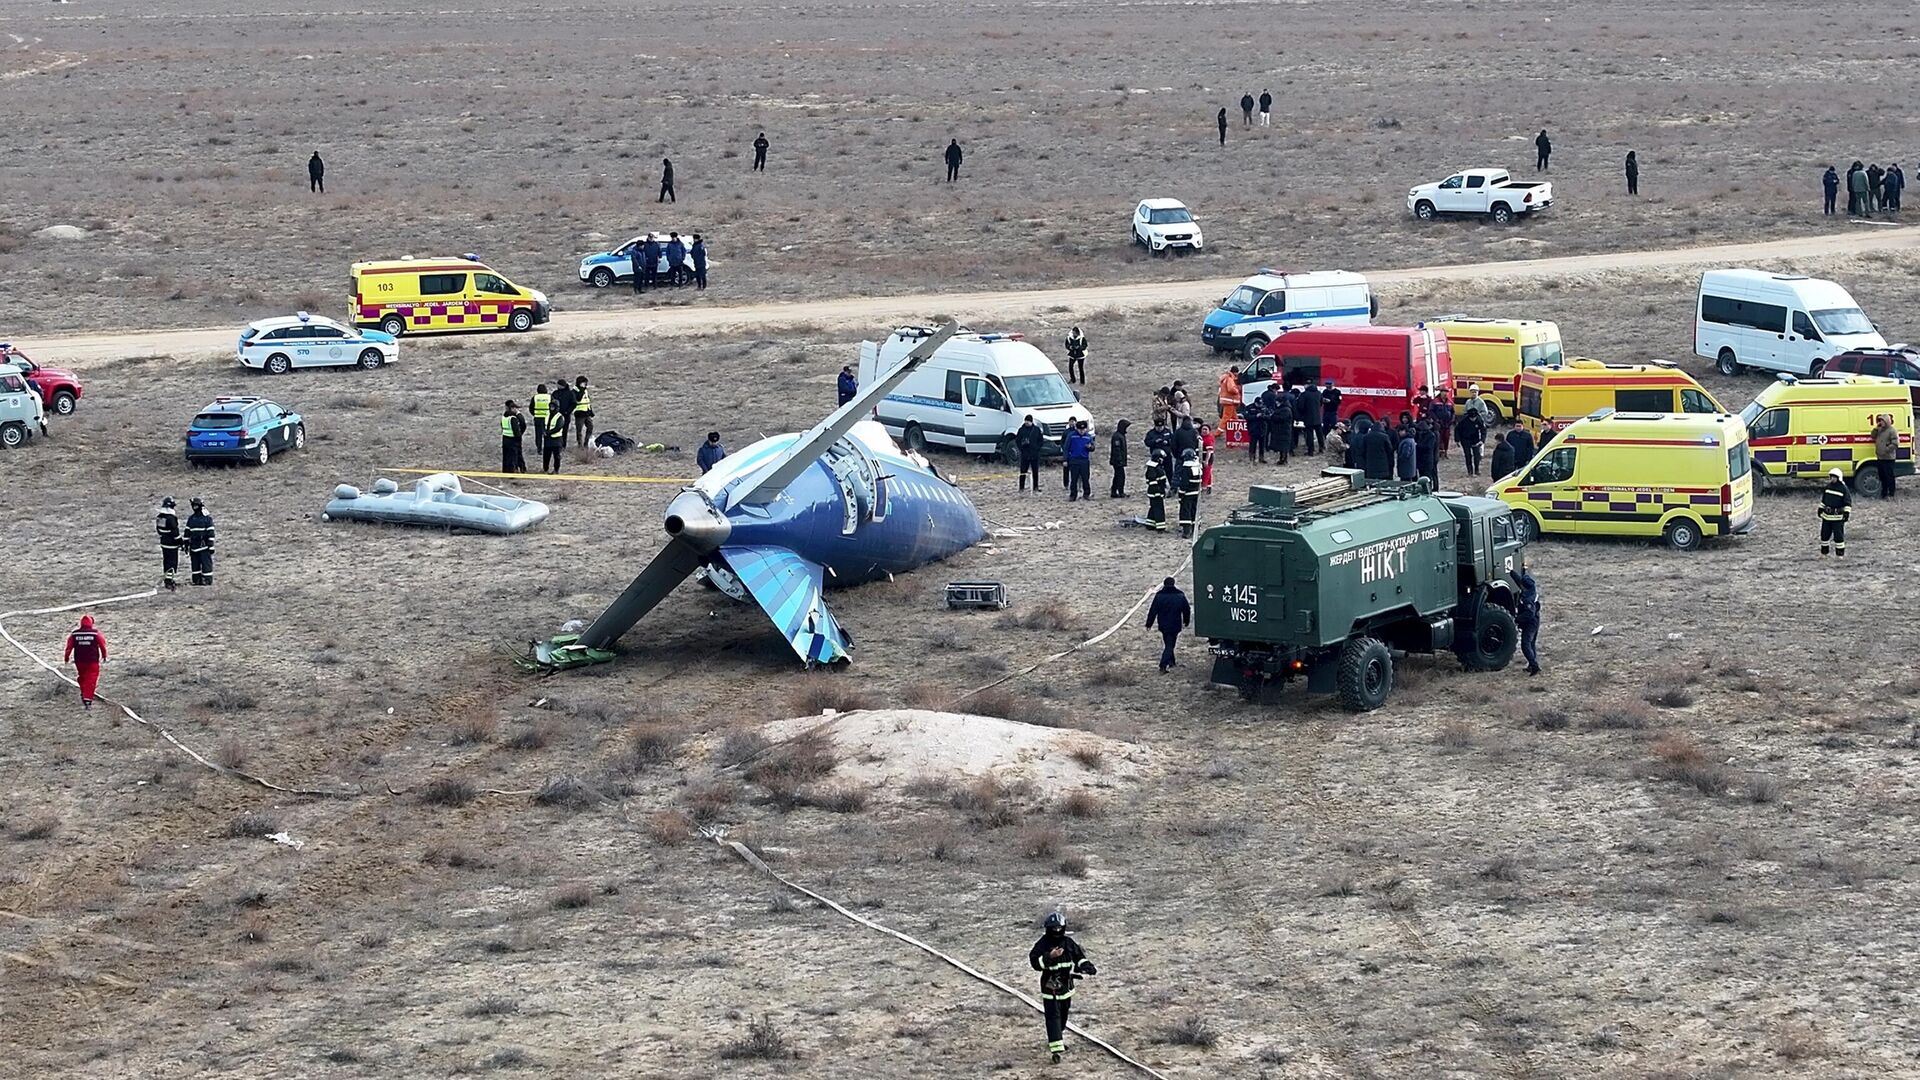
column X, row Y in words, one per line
column 178, row 131
column 1685, row 850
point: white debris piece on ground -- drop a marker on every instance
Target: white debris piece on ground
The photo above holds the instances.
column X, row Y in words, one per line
column 63, row 232
column 573, row 626
column 286, row 840
column 886, row 748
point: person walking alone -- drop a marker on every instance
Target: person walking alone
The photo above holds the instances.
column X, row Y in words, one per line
column 1076, row 356
column 760, row 145
column 1830, row 189
column 1836, row 506
column 316, row 174
column 953, row 157
column 1117, row 457
column 666, row 181
column 513, row 427
column 1543, row 150
column 1060, row 961
column 86, row 651
column 1266, row 108
column 1246, row 110
column 1223, row 125
column 166, row 523
column 1633, row 174
column 1886, row 451
column 1470, row 431
column 200, row 544
column 1169, row 613
column 1527, row 618
column 1030, row 442
column 847, row 385
column 698, row 253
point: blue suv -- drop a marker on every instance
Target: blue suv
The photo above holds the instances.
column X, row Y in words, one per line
column 236, row 429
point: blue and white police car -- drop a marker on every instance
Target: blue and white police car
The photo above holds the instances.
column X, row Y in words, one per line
column 279, row 345
column 602, row 269
column 231, row 430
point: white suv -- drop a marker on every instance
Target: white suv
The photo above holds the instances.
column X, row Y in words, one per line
column 1162, row 225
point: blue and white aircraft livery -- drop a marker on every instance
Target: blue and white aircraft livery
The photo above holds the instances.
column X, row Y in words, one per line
column 783, row 518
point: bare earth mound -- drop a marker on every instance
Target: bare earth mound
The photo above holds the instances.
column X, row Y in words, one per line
column 886, row 748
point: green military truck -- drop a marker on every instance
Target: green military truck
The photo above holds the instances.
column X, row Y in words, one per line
column 1325, row 579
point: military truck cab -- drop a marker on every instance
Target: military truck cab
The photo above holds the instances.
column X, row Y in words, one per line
column 1326, row 579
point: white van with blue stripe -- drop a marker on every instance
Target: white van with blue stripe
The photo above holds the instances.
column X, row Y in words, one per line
column 1273, row 301
column 972, row 394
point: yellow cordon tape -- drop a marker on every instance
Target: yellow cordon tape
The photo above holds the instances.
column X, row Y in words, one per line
column 608, row 479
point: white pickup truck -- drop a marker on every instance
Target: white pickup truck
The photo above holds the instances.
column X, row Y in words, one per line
column 1480, row 191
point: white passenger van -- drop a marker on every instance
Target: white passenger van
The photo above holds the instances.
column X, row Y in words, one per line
column 973, row 394
column 1777, row 322
column 1272, row 301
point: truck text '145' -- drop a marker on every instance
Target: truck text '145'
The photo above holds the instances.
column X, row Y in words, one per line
column 1243, row 601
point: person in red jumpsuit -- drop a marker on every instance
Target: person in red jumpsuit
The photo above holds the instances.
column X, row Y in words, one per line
column 1206, row 456
column 86, row 651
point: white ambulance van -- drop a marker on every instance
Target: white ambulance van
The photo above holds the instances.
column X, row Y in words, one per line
column 973, row 394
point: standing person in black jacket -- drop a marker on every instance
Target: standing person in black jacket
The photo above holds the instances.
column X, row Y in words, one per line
column 1117, row 457
column 666, row 181
column 1309, row 407
column 1471, row 433
column 1633, row 174
column 513, row 428
column 1160, row 438
column 166, row 524
column 1266, row 108
column 1076, row 356
column 316, row 174
column 561, row 404
column 1829, row 187
column 1543, row 148
column 1329, row 408
column 1060, row 961
column 640, row 269
column 1503, row 464
column 1426, row 450
column 953, row 156
column 1246, row 110
column 1836, row 506
column 1374, row 452
column 760, row 145
column 200, row 543
column 1170, row 614
column 556, row 442
column 1255, row 415
column 1185, row 437
column 1523, row 448
column 1030, row 441
column 1280, row 423
column 1223, row 125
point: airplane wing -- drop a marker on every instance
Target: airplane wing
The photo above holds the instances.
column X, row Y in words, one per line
column 788, row 588
column 808, row 447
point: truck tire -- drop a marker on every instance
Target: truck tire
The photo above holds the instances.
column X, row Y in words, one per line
column 1489, row 645
column 521, row 320
column 1502, row 214
column 1866, row 480
column 63, row 403
column 1764, row 483
column 1682, row 534
column 1528, row 527
column 1251, row 345
column 1424, row 210
column 13, row 436
column 1366, row 674
column 1727, row 363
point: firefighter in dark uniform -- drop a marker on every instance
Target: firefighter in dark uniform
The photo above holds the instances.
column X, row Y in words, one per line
column 513, row 426
column 167, row 524
column 1157, row 490
column 1077, row 357
column 1190, row 482
column 1060, row 961
column 200, row 543
column 538, row 408
column 556, row 441
column 1836, row 505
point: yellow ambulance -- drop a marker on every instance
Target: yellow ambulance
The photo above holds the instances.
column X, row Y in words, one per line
column 1682, row 477
column 1553, row 397
column 1491, row 353
column 424, row 296
column 1800, row 428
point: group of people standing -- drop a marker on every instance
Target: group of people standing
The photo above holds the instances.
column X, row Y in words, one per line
column 686, row 263
column 1870, row 188
column 557, row 415
column 196, row 537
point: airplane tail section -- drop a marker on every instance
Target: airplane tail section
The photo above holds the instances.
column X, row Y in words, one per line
column 788, row 588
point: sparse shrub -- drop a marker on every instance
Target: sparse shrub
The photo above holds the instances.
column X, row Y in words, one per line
column 1339, row 884
column 507, row 1057
column 742, row 747
column 1190, row 1031
column 1455, row 733
column 1799, row 1042
column 227, row 699
column 986, row 804
column 945, row 844
column 448, row 791
column 1042, row 841
column 1680, row 758
column 36, row 828
column 1761, row 788
column 1502, row 868
column 1113, row 673
column 925, row 696
column 1547, row 718
column 1220, row 769
column 842, row 799
column 566, row 792
column 764, row 1041
column 1053, row 613
column 1082, row 804
column 231, row 754
column 571, row 897
column 927, row 786
column 782, row 904
column 819, row 693
column 252, row 825
column 1074, row 864
column 344, row 1055
column 1606, row 1038
column 252, row 898
column 651, row 744
column 706, row 802
column 1621, row 714
column 455, row 856
column 1089, row 756
column 476, row 727
column 670, row 828
column 801, row 760
column 532, row 737
column 1019, row 708
column 493, row 1006
column 1671, row 697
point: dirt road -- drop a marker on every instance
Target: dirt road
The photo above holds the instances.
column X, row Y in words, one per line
column 95, row 350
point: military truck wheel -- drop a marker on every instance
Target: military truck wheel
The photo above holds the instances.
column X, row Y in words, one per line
column 1682, row 534
column 1489, row 645
column 1366, row 674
